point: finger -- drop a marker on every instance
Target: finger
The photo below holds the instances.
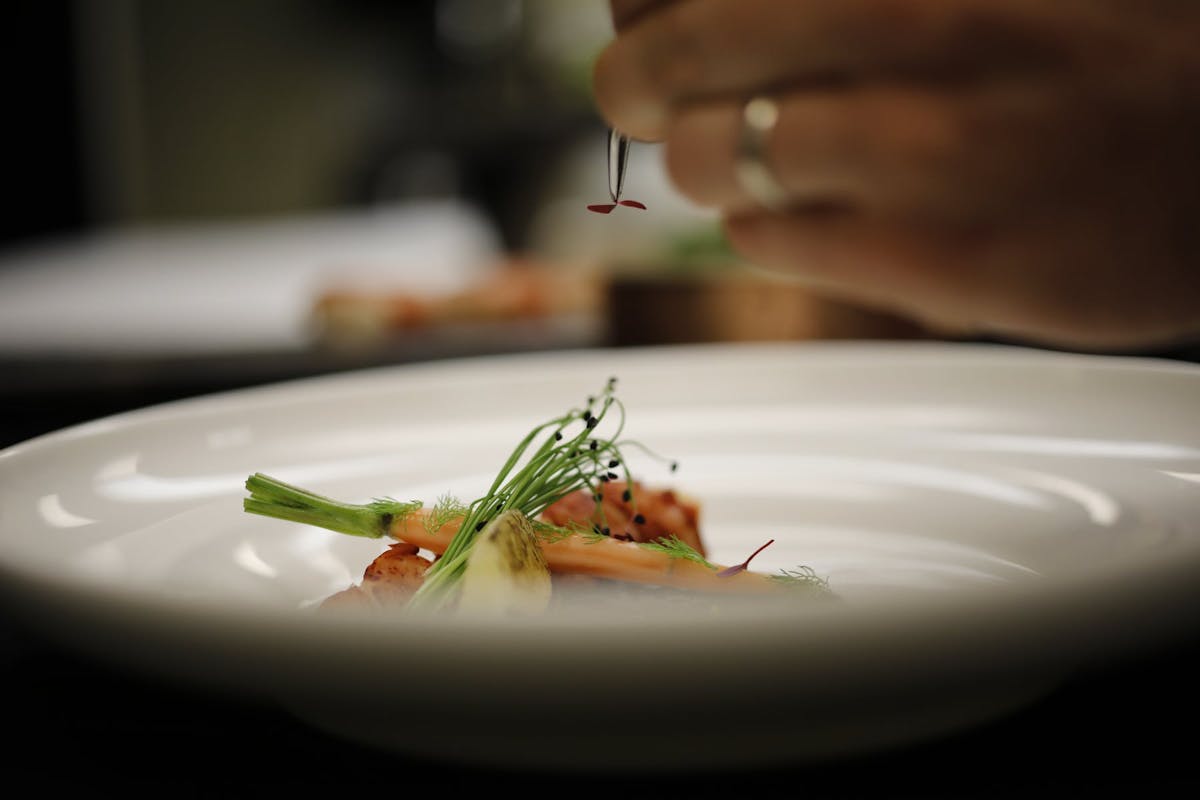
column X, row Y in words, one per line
column 925, row 273
column 962, row 280
column 946, row 155
column 883, row 147
column 628, row 12
column 703, row 48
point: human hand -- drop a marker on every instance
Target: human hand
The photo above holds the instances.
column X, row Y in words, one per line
column 1011, row 167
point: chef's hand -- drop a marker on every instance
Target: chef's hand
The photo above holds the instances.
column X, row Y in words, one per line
column 1014, row 167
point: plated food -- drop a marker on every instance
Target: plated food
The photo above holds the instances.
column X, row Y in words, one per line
column 563, row 510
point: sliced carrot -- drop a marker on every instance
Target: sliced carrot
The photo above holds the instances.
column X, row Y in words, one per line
column 601, row 557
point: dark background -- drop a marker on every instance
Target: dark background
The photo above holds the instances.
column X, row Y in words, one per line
column 131, row 111
column 134, row 113
column 41, row 134
column 381, row 81
column 128, row 114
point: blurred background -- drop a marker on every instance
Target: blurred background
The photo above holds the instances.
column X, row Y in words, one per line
column 207, row 195
column 210, row 194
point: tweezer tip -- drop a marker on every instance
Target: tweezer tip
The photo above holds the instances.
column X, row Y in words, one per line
column 618, row 153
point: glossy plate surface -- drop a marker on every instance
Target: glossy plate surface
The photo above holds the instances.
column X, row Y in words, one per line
column 990, row 518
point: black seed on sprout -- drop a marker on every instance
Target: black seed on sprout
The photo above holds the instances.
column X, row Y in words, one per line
column 612, row 383
column 674, row 466
column 597, row 529
column 589, row 402
column 614, row 464
column 587, row 414
column 604, row 479
column 558, row 436
column 592, row 445
column 591, row 423
column 612, row 476
column 626, row 495
column 639, row 519
column 607, row 532
column 479, row 526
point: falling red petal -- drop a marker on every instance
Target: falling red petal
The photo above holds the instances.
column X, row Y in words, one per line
column 602, row 208
column 633, row 204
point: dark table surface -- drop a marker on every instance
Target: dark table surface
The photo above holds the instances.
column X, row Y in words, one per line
column 1123, row 729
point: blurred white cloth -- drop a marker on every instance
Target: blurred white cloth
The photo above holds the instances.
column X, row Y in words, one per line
column 227, row 288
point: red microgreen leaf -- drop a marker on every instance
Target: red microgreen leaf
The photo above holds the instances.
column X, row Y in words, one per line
column 633, row 204
column 725, row 573
column 602, row 208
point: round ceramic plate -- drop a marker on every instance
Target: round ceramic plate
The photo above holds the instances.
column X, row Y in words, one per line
column 989, row 519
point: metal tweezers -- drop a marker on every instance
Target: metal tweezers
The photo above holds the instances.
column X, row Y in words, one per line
column 618, row 159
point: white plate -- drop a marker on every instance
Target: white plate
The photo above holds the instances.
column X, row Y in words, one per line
column 991, row 518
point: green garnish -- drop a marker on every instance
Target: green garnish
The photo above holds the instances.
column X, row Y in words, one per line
column 563, row 455
column 271, row 497
column 549, row 532
column 801, row 578
column 571, row 455
column 674, row 547
column 446, row 508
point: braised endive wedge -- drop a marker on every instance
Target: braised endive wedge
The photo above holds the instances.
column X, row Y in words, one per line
column 506, row 572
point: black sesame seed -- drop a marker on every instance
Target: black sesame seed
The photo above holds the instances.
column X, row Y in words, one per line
column 591, row 423
column 479, row 526
column 674, row 466
column 557, row 436
column 627, row 495
column 612, row 476
column 592, row 444
column 607, row 532
column 614, row 464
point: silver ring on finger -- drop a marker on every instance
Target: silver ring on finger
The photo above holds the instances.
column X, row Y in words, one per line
column 754, row 173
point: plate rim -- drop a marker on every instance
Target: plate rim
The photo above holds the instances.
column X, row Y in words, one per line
column 311, row 386
column 1011, row 353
